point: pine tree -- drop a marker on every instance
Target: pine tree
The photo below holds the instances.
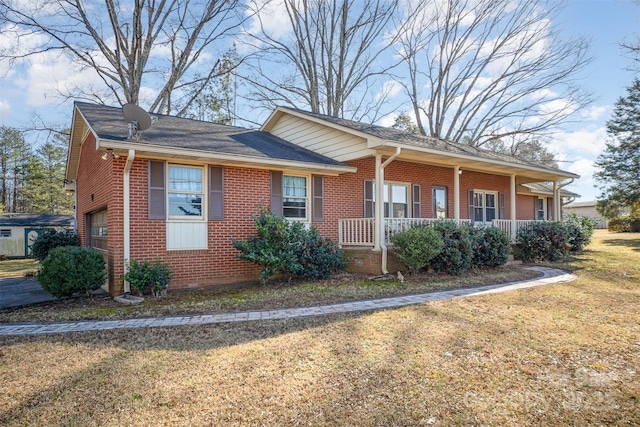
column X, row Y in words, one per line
column 15, row 157
column 619, row 164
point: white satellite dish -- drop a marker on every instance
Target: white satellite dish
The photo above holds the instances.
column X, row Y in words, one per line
column 136, row 116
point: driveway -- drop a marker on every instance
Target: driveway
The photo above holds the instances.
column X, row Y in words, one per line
column 16, row 291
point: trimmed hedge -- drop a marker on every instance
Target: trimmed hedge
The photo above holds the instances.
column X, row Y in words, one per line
column 72, row 269
column 50, row 239
column 543, row 241
column 492, row 247
column 456, row 255
column 417, row 246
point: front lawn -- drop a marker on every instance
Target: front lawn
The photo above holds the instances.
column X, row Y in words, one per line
column 558, row 355
column 18, row 267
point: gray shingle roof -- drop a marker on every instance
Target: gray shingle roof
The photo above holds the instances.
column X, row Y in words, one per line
column 188, row 134
column 422, row 141
column 543, row 187
column 36, row 220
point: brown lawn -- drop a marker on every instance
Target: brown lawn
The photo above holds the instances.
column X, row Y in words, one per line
column 559, row 355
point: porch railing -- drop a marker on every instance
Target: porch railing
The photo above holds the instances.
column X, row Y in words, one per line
column 359, row 231
column 355, row 232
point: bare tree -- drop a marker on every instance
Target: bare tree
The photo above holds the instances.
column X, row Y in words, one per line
column 486, row 70
column 329, row 58
column 152, row 43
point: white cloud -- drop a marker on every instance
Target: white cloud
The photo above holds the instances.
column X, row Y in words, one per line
column 594, row 112
column 5, row 111
column 390, row 89
column 583, row 143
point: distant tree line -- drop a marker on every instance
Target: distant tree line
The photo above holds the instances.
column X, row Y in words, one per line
column 32, row 179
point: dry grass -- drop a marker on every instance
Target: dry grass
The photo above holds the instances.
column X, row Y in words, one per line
column 18, row 267
column 559, row 355
column 287, row 294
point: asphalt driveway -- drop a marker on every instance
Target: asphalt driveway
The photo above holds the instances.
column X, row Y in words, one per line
column 16, row 291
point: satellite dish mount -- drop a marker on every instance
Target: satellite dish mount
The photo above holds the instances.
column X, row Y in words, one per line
column 137, row 118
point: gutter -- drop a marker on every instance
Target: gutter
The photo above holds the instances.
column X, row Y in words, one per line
column 127, row 215
column 380, row 206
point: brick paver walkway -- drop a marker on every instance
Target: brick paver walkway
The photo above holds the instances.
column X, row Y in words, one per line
column 549, row 276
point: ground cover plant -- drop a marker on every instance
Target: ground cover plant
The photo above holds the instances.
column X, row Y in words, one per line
column 557, row 355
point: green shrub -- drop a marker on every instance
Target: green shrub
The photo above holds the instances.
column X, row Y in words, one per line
column 456, row 255
column 72, row 269
column 491, row 247
column 281, row 246
column 543, row 241
column 50, row 239
column 417, row 246
column 145, row 278
column 318, row 257
column 624, row 224
column 580, row 230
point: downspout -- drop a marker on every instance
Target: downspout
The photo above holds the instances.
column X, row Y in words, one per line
column 380, row 206
column 127, row 215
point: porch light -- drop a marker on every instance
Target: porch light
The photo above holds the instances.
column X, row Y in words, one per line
column 105, row 155
column 459, row 171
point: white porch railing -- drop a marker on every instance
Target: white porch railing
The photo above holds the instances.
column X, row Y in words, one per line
column 396, row 225
column 355, row 232
column 506, row 226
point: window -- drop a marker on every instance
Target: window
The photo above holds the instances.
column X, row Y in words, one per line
column 483, row 206
column 439, row 201
column 5, row 232
column 294, row 197
column 396, row 199
column 185, row 191
column 99, row 230
column 540, row 208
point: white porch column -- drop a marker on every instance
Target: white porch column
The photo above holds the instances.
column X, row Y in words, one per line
column 127, row 215
column 456, row 193
column 512, row 203
column 378, row 215
column 556, row 201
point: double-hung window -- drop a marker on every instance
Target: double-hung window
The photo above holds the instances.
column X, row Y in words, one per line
column 540, row 208
column 294, row 197
column 439, row 200
column 483, row 205
column 185, row 192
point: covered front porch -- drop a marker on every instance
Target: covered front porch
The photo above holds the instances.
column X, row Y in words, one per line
column 360, row 232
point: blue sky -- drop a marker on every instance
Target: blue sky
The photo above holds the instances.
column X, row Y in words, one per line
column 29, row 92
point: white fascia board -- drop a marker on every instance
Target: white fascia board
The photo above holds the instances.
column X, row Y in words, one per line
column 230, row 159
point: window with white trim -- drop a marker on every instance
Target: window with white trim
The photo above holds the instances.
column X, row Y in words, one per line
column 439, row 201
column 5, row 232
column 541, row 204
column 185, row 192
column 294, row 197
column 396, row 200
column 485, row 206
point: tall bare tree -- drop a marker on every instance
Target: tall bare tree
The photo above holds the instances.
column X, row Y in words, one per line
column 484, row 70
column 130, row 45
column 328, row 58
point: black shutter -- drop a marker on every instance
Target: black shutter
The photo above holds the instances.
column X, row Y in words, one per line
column 157, row 182
column 368, row 199
column 317, row 198
column 416, row 200
column 276, row 192
column 216, row 193
column 501, row 201
column 471, row 207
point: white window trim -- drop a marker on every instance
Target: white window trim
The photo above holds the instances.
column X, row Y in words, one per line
column 3, row 232
column 187, row 218
column 496, row 206
column 307, row 208
column 390, row 194
column 544, row 208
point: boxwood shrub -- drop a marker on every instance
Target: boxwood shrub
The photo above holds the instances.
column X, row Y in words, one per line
column 417, row 246
column 491, row 247
column 50, row 239
column 543, row 241
column 456, row 255
column 72, row 269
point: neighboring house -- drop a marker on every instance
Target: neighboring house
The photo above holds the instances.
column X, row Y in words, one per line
column 19, row 231
column 587, row 209
column 184, row 188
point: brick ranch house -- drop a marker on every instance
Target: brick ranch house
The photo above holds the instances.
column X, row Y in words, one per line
column 183, row 188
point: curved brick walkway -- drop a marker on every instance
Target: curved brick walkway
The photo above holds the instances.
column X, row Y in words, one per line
column 549, row 276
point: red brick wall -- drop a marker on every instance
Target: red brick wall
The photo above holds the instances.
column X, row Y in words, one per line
column 97, row 189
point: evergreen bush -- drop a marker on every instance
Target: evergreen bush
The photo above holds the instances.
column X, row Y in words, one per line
column 580, row 230
column 281, row 246
column 72, row 269
column 456, row 255
column 624, row 224
column 50, row 239
column 417, row 246
column 543, row 241
column 145, row 277
column 491, row 247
